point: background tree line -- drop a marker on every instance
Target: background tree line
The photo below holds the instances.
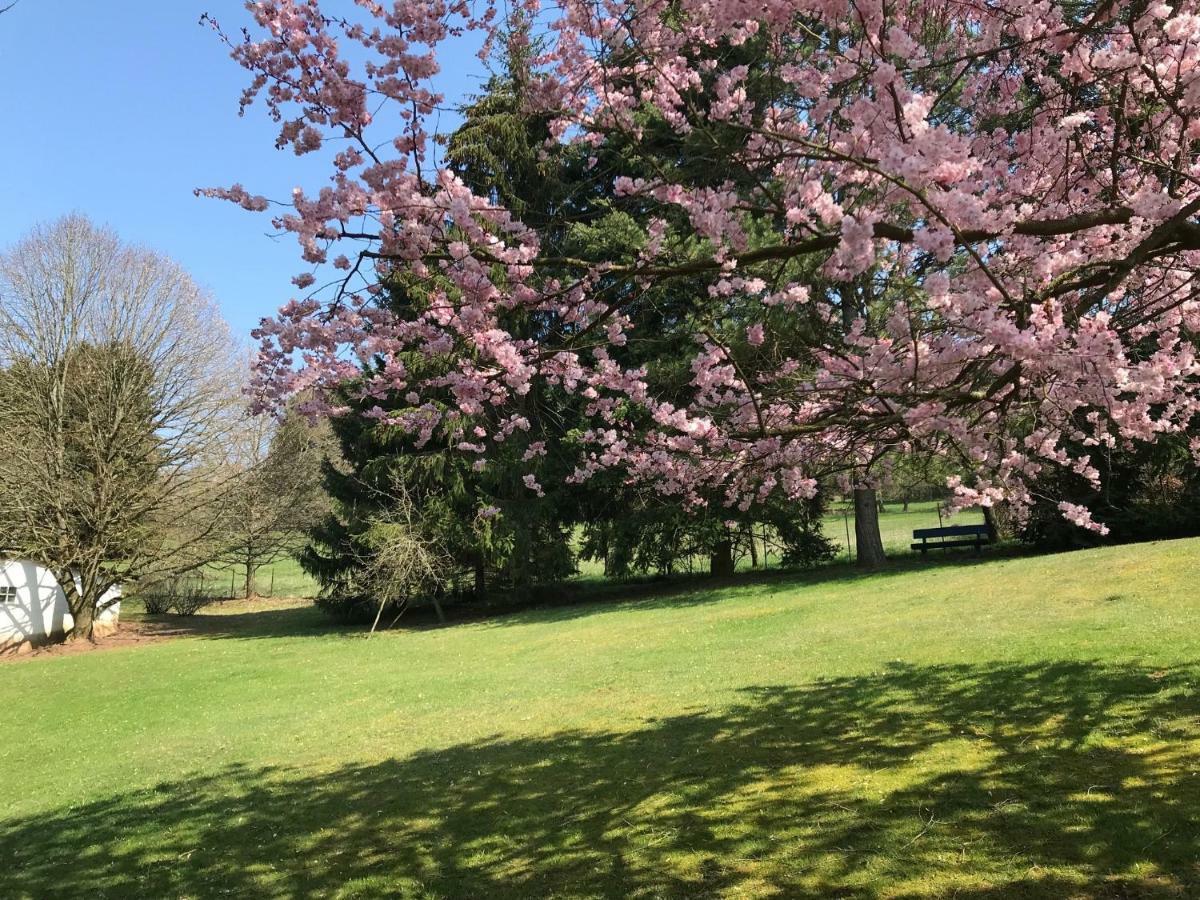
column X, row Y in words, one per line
column 126, row 454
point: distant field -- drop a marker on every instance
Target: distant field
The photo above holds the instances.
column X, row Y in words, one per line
column 896, row 526
column 1012, row 727
column 282, row 578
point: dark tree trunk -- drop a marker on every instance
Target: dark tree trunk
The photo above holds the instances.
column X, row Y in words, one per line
column 989, row 519
column 721, row 560
column 866, row 529
column 480, row 578
column 82, row 608
column 84, row 625
column 866, row 503
column 753, row 548
column 251, row 569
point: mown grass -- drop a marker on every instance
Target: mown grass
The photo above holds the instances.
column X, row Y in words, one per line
column 1003, row 728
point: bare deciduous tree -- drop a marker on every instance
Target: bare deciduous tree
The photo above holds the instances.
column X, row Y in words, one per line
column 396, row 561
column 276, row 494
column 119, row 391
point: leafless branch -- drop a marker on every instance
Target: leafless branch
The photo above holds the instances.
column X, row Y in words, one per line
column 120, row 388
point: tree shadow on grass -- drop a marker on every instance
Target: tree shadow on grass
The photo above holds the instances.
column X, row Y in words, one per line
column 564, row 605
column 286, row 621
column 1056, row 780
column 554, row 604
column 572, row 601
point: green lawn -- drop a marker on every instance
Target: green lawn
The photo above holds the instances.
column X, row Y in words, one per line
column 1008, row 728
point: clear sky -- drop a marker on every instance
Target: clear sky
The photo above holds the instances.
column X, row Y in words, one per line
column 119, row 108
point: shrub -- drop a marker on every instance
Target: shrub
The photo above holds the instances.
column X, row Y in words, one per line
column 163, row 597
column 155, row 603
column 1150, row 492
column 190, row 601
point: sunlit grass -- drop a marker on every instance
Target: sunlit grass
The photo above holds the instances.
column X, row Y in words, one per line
column 1011, row 727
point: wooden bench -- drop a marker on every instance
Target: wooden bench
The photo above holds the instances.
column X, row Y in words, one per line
column 959, row 536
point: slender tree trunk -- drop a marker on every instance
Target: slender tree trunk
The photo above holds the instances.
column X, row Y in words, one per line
column 251, row 569
column 866, row 529
column 721, row 559
column 866, row 503
column 753, row 548
column 480, row 578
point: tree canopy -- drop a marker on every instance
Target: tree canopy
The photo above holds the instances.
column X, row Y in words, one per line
column 971, row 227
column 119, row 390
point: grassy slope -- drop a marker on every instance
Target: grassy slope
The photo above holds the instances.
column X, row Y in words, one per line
column 1018, row 727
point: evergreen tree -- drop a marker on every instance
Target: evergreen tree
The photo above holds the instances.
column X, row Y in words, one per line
column 498, row 533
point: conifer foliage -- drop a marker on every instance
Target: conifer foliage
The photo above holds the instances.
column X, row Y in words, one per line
column 1020, row 175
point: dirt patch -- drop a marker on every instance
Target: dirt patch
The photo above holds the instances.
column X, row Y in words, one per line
column 137, row 631
column 130, row 634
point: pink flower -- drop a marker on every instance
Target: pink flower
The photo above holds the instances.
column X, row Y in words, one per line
column 1012, row 295
column 532, row 483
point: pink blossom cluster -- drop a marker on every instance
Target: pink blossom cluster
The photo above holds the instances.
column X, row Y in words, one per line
column 1014, row 184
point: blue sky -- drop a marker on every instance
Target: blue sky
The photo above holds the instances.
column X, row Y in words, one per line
column 119, row 109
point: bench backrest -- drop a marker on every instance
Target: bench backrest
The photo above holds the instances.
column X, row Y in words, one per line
column 952, row 531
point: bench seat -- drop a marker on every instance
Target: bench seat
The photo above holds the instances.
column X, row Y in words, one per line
column 960, row 536
column 938, row 545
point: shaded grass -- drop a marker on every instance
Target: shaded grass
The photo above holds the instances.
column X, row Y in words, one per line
column 1015, row 727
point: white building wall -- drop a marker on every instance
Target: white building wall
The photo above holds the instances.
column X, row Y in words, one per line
column 40, row 608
